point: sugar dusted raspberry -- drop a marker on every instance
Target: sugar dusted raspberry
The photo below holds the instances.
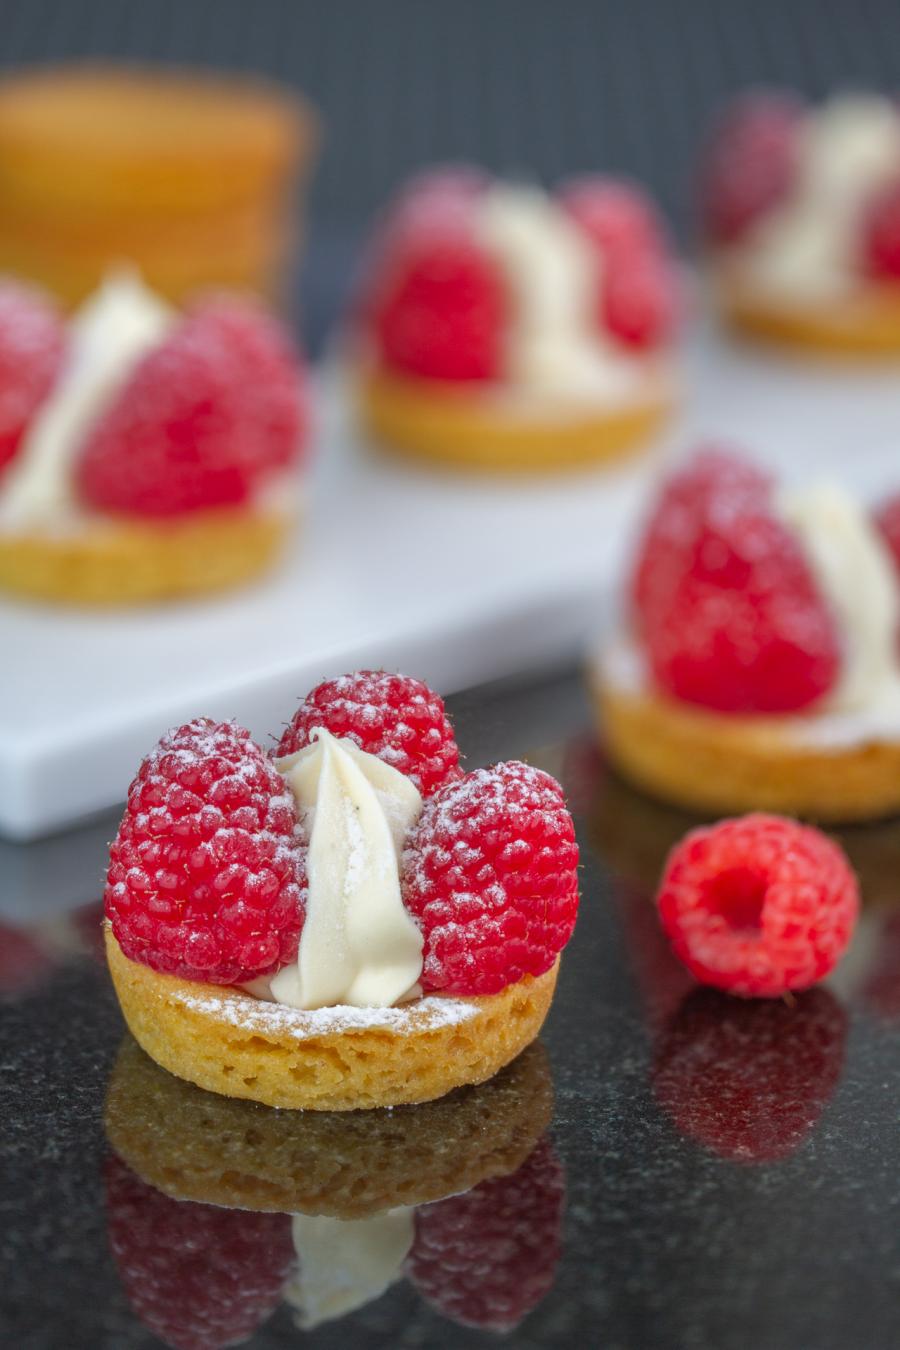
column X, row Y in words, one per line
column 490, row 874
column 202, row 421
column 752, row 163
column 759, row 905
column 198, row 1276
column 32, row 344
column 880, row 241
column 395, row 717
column 750, row 1080
column 727, row 607
column 437, row 299
column 486, row 1258
column 206, row 878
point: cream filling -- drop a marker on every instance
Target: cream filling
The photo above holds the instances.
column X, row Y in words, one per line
column 109, row 335
column 343, row 1264
column 553, row 345
column 359, row 946
column 806, row 249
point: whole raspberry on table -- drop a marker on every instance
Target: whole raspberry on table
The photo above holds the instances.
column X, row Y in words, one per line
column 726, row 605
column 752, row 163
column 490, row 874
column 880, row 235
column 198, row 1276
column 486, row 1258
column 759, row 905
column 637, row 300
column 206, row 877
column 203, row 420
column 437, row 304
column 32, row 346
column 395, row 717
column 750, row 1080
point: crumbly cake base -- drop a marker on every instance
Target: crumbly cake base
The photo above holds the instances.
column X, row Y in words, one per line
column 723, row 764
column 457, row 428
column 866, row 324
column 332, row 1059
column 195, row 1145
column 115, row 561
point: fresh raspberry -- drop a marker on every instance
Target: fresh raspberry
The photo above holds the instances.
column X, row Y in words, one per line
column 887, row 519
column 490, row 873
column 727, row 606
column 759, row 905
column 198, row 1276
column 486, row 1258
column 395, row 717
column 206, row 878
column 203, row 419
column 32, row 344
column 752, row 163
column 637, row 302
column 880, row 244
column 750, row 1080
column 881, row 991
column 438, row 303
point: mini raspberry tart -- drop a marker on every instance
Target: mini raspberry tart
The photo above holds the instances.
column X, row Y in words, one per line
column 506, row 329
column 143, row 454
column 756, row 667
column 462, row 1197
column 801, row 211
column 350, row 922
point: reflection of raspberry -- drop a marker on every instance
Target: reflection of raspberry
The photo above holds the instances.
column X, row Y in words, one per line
column 728, row 608
column 881, row 991
column 202, row 420
column 205, row 878
column 749, row 1080
column 198, row 1276
column 31, row 352
column 488, row 1257
column 395, row 717
column 759, row 905
column 490, row 874
column 752, row 163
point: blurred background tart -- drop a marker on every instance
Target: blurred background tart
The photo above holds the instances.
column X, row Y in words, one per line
column 144, row 453
column 194, row 177
column 502, row 327
column 801, row 209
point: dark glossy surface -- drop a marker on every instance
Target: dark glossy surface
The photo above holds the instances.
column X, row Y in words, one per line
column 732, row 1172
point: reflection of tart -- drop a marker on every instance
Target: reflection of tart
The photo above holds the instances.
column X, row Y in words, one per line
column 354, row 924
column 759, row 669
column 803, row 216
column 192, row 177
column 154, row 455
column 461, row 1196
column 505, row 329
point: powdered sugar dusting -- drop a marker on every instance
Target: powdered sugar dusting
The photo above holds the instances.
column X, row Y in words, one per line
column 276, row 1019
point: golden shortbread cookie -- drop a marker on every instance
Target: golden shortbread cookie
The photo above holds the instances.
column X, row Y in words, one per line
column 864, row 325
column 726, row 764
column 113, row 560
column 196, row 1145
column 332, row 1059
column 459, row 427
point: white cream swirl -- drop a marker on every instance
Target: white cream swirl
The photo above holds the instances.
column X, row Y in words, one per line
column 359, row 946
column 108, row 336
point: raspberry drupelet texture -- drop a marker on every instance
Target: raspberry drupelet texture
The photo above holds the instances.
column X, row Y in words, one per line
column 759, row 905
column 726, row 605
column 395, row 717
column 198, row 1276
column 490, row 874
column 207, row 875
column 486, row 1258
column 32, row 345
column 752, row 163
column 203, row 420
